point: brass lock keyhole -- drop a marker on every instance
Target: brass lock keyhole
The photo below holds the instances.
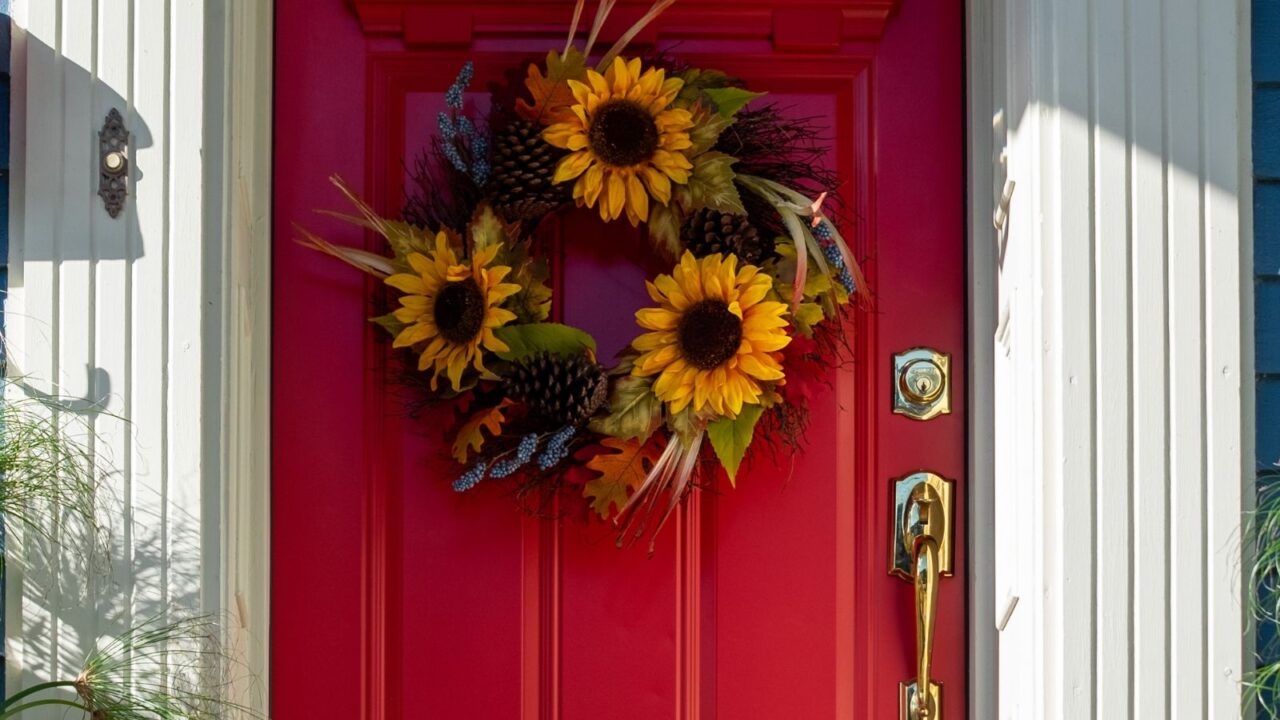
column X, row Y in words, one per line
column 921, row 388
column 922, row 381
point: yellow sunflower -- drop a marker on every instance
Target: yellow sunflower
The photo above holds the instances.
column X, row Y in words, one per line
column 451, row 309
column 714, row 338
column 627, row 141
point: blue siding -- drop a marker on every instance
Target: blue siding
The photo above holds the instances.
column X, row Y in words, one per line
column 1266, row 254
column 1266, row 37
column 1266, row 241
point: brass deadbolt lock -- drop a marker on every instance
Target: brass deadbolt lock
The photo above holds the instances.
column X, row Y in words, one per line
column 922, row 383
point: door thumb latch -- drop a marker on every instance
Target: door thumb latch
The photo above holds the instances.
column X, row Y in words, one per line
column 923, row 510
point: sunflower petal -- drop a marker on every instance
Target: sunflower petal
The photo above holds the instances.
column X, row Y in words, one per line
column 637, row 198
column 751, row 365
column 592, row 183
column 559, row 134
column 653, row 340
column 617, row 195
column 573, row 165
column 770, row 343
column 457, row 365
column 492, row 342
column 581, row 91
column 598, row 84
column 659, row 184
column 412, row 335
column 407, row 314
column 404, row 282
column 497, row 317
column 657, row 319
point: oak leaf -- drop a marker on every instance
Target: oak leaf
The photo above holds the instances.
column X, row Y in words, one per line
column 470, row 436
column 620, row 473
column 552, row 97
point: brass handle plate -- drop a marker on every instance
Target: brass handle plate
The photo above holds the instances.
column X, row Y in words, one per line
column 922, row 552
column 922, row 383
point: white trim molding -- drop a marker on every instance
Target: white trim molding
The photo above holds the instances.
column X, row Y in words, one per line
column 1122, row 354
column 246, row 288
column 983, row 180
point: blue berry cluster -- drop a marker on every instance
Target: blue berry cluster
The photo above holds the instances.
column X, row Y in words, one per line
column 456, row 128
column 453, row 96
column 829, row 250
column 471, row 477
column 557, row 447
column 524, row 453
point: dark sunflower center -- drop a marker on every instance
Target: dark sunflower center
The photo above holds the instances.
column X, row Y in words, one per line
column 623, row 133
column 459, row 310
column 709, row 334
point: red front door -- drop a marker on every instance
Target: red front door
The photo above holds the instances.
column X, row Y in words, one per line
column 394, row 597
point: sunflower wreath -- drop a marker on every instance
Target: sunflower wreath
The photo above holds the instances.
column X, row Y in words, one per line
column 732, row 195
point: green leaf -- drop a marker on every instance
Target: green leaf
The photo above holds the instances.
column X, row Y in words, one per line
column 711, row 184
column 533, row 303
column 686, row 424
column 389, row 323
column 696, row 81
column 806, row 316
column 707, row 128
column 729, row 100
column 664, row 229
column 730, row 438
column 525, row 340
column 487, row 229
column 634, row 411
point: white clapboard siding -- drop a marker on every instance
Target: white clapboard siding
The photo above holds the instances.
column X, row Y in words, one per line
column 1121, row 365
column 122, row 322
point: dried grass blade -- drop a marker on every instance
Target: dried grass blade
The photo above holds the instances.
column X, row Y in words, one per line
column 602, row 14
column 362, row 260
column 573, row 27
column 659, row 6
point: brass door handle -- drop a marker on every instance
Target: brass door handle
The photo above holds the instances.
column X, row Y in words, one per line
column 926, row 614
column 922, row 554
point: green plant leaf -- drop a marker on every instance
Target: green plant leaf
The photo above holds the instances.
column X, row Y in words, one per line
column 711, row 184
column 634, row 411
column 708, row 125
column 729, row 100
column 525, row 340
column 389, row 323
column 697, row 80
column 664, row 229
column 533, row 303
column 487, row 229
column 807, row 316
column 730, row 438
column 686, row 424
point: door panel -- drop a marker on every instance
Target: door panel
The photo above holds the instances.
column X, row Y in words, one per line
column 771, row 600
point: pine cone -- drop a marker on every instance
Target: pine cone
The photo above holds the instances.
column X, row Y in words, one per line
column 523, row 166
column 559, row 390
column 709, row 231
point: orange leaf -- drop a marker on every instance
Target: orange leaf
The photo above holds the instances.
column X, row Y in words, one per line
column 470, row 436
column 552, row 97
column 621, row 473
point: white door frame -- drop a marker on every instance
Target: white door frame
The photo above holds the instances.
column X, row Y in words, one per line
column 246, row 294
column 983, row 179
